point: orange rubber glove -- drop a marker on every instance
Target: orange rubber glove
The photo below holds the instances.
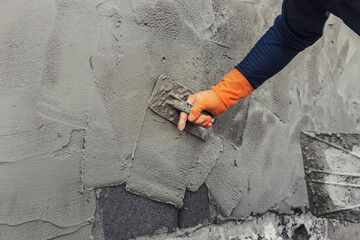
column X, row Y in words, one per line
column 226, row 93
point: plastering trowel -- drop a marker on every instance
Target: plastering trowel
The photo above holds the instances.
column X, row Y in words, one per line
column 168, row 99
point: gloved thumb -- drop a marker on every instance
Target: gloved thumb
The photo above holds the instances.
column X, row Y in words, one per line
column 195, row 112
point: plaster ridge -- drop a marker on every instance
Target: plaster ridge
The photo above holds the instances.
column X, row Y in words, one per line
column 29, row 131
column 220, row 151
column 99, row 5
column 313, row 136
column 69, row 233
column 59, row 121
column 83, row 155
column 26, row 158
column 244, row 125
column 138, row 136
column 203, row 38
column 85, row 221
column 272, row 112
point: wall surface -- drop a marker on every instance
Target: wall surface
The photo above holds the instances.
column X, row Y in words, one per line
column 75, row 79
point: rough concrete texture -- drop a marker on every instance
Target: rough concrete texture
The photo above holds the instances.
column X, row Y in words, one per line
column 331, row 163
column 41, row 135
column 123, row 215
column 270, row 227
column 196, row 209
column 76, row 77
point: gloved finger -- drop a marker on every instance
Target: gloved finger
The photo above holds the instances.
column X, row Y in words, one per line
column 182, row 121
column 202, row 120
column 208, row 126
column 195, row 112
column 192, row 99
column 206, row 122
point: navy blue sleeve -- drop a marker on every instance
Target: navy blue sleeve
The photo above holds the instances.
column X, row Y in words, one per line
column 300, row 25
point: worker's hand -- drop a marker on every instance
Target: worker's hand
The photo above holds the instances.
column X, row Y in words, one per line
column 206, row 100
column 232, row 87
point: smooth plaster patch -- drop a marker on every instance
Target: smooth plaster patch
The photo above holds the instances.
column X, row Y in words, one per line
column 48, row 188
column 41, row 155
column 162, row 170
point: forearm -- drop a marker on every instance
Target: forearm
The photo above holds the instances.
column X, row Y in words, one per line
column 270, row 54
column 292, row 32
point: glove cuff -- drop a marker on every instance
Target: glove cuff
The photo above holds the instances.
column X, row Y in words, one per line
column 232, row 87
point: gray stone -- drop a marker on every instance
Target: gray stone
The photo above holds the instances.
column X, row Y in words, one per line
column 125, row 215
column 196, row 209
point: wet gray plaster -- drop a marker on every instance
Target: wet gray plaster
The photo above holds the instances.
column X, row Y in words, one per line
column 164, row 175
column 102, row 153
column 42, row 129
column 46, row 185
column 91, row 66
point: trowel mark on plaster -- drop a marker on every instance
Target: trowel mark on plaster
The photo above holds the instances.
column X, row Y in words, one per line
column 48, row 138
column 271, row 111
column 202, row 18
column 56, row 96
column 104, row 163
column 348, row 86
column 122, row 92
column 60, row 97
column 163, row 170
column 83, row 156
column 43, row 109
column 53, row 231
column 169, row 21
column 59, row 201
column 42, row 181
column 87, row 221
column 137, row 139
column 226, row 183
column 228, row 197
column 76, row 143
column 125, row 118
column 55, row 162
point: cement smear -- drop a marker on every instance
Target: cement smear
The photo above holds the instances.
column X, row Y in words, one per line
column 332, row 174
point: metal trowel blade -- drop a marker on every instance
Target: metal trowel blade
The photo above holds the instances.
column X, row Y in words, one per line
column 168, row 99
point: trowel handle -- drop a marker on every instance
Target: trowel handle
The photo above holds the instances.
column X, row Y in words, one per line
column 206, row 113
column 186, row 107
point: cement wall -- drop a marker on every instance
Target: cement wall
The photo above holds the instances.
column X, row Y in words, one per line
column 75, row 80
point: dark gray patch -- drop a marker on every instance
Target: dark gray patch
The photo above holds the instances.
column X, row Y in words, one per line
column 125, row 215
column 196, row 209
column 301, row 233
